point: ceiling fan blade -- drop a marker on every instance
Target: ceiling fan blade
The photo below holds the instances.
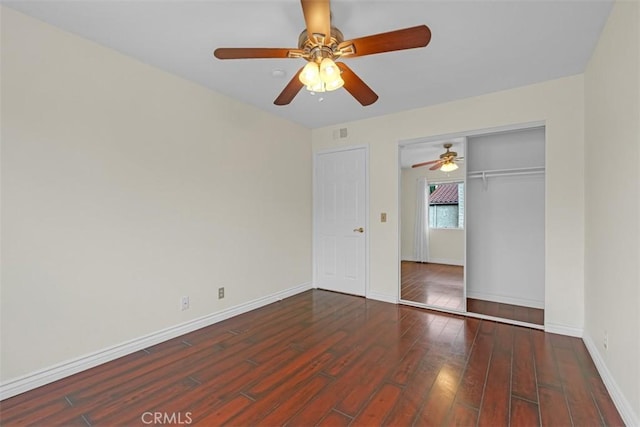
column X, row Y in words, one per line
column 290, row 90
column 356, row 87
column 436, row 166
column 253, row 52
column 417, row 165
column 407, row 38
column 317, row 16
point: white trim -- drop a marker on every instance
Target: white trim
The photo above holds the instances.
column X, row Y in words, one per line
column 345, row 148
column 555, row 328
column 465, row 214
column 431, row 307
column 382, row 297
column 399, row 224
column 503, row 320
column 505, row 299
column 53, row 373
column 621, row 402
column 367, row 223
column 446, row 261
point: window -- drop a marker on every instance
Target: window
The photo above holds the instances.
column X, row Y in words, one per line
column 446, row 205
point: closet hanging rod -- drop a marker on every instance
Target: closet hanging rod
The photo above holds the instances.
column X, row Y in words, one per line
column 506, row 172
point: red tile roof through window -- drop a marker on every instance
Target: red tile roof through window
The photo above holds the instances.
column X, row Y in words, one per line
column 444, row 194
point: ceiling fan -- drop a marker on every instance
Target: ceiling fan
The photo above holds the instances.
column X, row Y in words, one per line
column 446, row 162
column 320, row 44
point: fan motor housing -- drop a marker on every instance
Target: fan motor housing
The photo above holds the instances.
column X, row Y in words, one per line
column 314, row 47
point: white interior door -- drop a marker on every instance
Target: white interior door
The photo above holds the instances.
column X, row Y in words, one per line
column 340, row 213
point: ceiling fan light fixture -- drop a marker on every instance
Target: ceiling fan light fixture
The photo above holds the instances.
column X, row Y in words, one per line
column 310, row 75
column 322, row 77
column 449, row 166
column 330, row 75
column 328, row 70
column 335, row 84
column 316, row 87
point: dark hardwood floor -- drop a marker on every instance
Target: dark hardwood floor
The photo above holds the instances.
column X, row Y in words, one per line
column 322, row 358
column 440, row 285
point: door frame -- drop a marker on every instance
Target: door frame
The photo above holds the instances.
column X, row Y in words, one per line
column 314, row 204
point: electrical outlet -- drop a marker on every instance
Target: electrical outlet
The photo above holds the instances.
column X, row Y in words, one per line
column 220, row 293
column 605, row 341
column 184, row 303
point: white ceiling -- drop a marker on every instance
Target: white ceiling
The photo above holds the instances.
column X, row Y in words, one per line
column 477, row 46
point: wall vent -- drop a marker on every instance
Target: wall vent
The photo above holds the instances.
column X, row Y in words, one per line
column 340, row 133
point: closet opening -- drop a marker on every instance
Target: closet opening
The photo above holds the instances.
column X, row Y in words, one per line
column 495, row 201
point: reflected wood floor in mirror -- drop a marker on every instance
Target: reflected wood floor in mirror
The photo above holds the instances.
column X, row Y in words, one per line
column 437, row 285
column 441, row 285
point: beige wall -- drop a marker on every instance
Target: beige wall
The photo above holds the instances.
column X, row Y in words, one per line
column 124, row 188
column 444, row 245
column 612, row 228
column 560, row 104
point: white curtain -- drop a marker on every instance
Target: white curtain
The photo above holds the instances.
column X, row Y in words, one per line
column 421, row 242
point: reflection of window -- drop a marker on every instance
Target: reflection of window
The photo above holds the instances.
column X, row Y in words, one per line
column 446, row 205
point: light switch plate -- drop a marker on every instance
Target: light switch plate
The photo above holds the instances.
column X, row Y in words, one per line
column 383, row 217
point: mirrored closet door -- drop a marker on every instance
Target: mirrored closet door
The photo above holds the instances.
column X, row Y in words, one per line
column 432, row 224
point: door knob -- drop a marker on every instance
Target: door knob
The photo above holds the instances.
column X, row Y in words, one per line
column 359, row 230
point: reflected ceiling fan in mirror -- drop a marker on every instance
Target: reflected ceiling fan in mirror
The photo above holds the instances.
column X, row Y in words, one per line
column 446, row 162
column 320, row 44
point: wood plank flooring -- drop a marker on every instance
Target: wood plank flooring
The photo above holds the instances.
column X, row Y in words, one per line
column 322, row 358
column 440, row 285
column 437, row 285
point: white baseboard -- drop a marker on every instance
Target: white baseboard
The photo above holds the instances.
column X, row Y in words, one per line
column 505, row 299
column 82, row 363
column 622, row 404
column 393, row 299
column 504, row 320
column 438, row 261
column 555, row 328
column 446, row 261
